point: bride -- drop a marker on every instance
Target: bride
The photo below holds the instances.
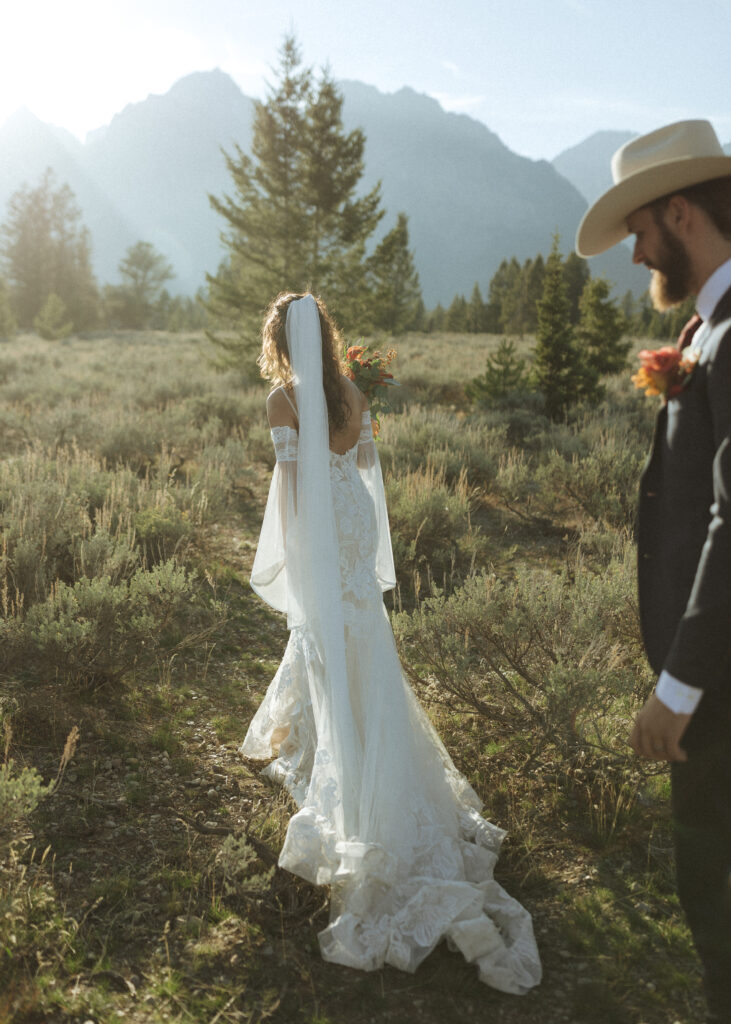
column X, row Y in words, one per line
column 383, row 816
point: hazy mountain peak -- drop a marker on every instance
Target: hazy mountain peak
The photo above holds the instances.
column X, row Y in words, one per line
column 470, row 200
column 588, row 164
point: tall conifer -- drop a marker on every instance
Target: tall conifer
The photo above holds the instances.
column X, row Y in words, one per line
column 560, row 369
column 294, row 221
column 397, row 303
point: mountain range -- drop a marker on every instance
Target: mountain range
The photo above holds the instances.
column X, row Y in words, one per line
column 471, row 201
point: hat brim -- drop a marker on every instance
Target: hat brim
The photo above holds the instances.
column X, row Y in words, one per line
column 605, row 222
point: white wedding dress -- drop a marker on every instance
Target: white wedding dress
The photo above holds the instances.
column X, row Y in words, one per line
column 384, row 817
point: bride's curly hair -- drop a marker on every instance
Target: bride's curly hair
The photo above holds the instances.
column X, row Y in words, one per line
column 274, row 357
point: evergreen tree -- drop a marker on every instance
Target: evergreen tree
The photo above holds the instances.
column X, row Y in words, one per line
column 502, row 284
column 600, row 331
column 575, row 275
column 519, row 307
column 294, row 221
column 8, row 323
column 456, row 320
column 561, row 372
column 534, row 291
column 52, row 321
column 476, row 312
column 137, row 302
column 396, row 292
column 437, row 319
column 44, row 249
column 505, row 374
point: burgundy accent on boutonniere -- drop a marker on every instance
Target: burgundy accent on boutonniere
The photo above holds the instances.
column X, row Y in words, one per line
column 686, row 335
column 664, row 371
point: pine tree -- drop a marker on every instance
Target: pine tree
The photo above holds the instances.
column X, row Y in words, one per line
column 560, row 370
column 505, row 374
column 138, row 299
column 44, row 249
column 534, row 291
column 396, row 293
column 437, row 319
column 294, row 221
column 502, row 284
column 476, row 312
column 575, row 275
column 52, row 321
column 8, row 323
column 457, row 315
column 600, row 330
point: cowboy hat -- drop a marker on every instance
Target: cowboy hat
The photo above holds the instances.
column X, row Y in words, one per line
column 665, row 161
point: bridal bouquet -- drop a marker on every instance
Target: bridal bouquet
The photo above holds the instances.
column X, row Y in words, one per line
column 369, row 370
column 664, row 371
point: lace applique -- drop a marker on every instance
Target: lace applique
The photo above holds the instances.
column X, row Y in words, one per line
column 366, row 431
column 285, row 443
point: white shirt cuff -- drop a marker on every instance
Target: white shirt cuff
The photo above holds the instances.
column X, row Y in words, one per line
column 679, row 697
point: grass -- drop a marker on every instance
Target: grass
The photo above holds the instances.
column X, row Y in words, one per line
column 128, row 917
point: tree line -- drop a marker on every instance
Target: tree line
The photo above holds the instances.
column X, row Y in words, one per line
column 46, row 279
column 515, row 290
column 294, row 220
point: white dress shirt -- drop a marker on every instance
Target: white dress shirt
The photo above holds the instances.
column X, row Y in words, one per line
column 679, row 697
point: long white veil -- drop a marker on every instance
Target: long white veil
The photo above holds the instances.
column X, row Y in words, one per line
column 300, row 575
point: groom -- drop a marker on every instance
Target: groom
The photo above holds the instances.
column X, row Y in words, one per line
column 672, row 192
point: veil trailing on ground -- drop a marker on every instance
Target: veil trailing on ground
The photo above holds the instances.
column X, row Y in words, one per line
column 383, row 815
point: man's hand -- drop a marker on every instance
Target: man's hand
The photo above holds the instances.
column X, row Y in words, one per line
column 657, row 732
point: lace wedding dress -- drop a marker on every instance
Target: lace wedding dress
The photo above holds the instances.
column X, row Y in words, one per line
column 384, row 817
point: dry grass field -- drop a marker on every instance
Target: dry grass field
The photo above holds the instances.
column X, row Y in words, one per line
column 142, row 886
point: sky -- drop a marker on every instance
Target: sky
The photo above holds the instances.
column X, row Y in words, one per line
column 542, row 74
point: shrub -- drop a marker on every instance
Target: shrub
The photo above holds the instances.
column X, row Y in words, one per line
column 550, row 663
column 93, row 631
column 431, row 528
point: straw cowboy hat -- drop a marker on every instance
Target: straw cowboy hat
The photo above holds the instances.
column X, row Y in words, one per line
column 651, row 166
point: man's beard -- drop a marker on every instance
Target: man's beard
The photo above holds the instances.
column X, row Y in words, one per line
column 670, row 283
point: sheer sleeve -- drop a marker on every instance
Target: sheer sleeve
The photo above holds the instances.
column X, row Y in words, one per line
column 269, row 572
column 370, row 470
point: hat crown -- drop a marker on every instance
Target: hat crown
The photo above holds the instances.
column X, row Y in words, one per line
column 684, row 140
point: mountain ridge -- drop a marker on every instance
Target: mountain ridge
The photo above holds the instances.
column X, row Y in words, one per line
column 471, row 201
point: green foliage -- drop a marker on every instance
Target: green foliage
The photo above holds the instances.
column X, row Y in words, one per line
column 585, row 472
column 575, row 276
column 431, row 528
column 136, row 302
column 601, row 328
column 8, row 323
column 542, row 659
column 476, row 312
column 426, row 435
column 92, row 632
column 294, row 221
column 45, row 249
column 52, row 321
column 21, row 790
column 234, row 861
column 396, row 300
column 561, row 371
column 505, row 376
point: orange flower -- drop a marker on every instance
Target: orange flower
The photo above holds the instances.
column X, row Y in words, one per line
column 664, row 371
column 355, row 352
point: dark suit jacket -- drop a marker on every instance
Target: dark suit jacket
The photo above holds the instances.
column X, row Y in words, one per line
column 684, row 526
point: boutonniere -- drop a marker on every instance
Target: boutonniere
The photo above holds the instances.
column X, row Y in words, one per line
column 664, row 371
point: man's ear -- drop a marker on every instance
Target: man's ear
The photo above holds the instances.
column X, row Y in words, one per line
column 678, row 213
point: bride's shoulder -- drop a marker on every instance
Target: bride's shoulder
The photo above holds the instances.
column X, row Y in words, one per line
column 279, row 410
column 354, row 396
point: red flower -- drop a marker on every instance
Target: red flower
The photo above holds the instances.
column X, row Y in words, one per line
column 664, row 371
